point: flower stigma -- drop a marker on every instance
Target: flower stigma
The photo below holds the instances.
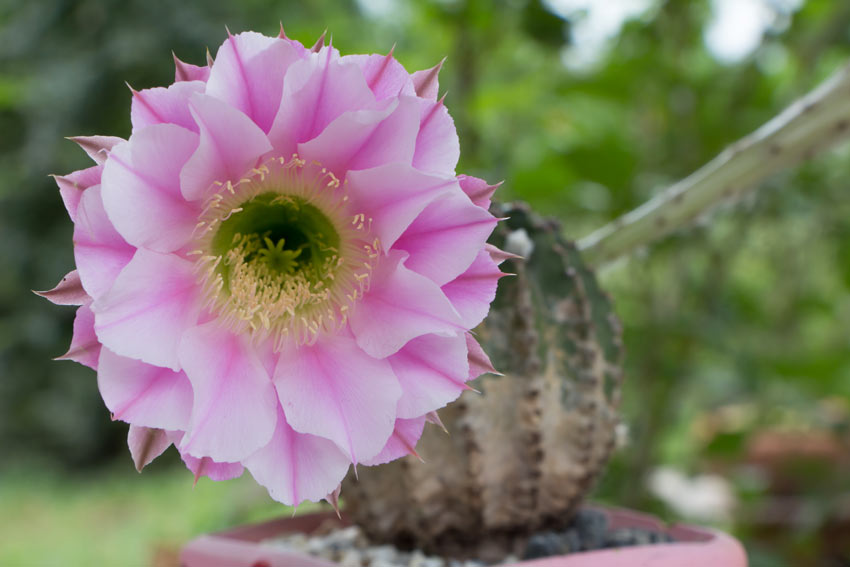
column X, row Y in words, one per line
column 281, row 254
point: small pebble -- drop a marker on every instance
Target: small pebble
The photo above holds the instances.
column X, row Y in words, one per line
column 591, row 528
column 628, row 537
column 351, row 558
column 573, row 541
column 545, row 544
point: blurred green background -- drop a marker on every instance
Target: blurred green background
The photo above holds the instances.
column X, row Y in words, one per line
column 738, row 361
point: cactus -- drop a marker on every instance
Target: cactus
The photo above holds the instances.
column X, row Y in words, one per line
column 523, row 452
column 814, row 123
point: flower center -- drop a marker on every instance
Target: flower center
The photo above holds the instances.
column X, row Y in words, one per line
column 277, row 237
column 281, row 255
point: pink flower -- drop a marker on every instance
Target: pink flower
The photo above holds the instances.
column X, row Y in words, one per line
column 279, row 269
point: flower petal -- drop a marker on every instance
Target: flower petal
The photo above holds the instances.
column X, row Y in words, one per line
column 399, row 306
column 472, row 292
column 384, row 75
column 234, row 408
column 152, row 303
column 437, row 145
column 479, row 362
column 478, row 190
column 187, row 72
column 297, row 466
column 97, row 147
column 230, row 145
column 162, row 105
column 498, row 256
column 445, row 239
column 142, row 394
column 334, row 390
column 432, row 371
column 146, row 444
column 401, row 443
column 85, row 348
column 99, row 251
column 248, row 74
column 426, row 81
column 211, row 469
column 69, row 291
column 315, row 91
column 141, row 188
column 366, row 138
column 394, row 194
column 71, row 187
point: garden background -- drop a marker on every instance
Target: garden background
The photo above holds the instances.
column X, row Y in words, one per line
column 737, row 329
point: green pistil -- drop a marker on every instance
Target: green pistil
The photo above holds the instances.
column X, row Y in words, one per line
column 279, row 234
column 279, row 259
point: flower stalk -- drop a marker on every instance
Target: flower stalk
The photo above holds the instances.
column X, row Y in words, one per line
column 812, row 124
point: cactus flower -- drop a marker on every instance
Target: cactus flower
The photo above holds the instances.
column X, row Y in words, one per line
column 279, row 269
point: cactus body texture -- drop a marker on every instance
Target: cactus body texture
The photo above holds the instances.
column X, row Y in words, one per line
column 522, row 454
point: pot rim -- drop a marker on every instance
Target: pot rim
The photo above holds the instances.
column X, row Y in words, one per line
column 695, row 546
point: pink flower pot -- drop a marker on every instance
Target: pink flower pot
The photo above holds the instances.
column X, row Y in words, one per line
column 694, row 546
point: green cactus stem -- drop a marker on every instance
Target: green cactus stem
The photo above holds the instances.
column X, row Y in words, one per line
column 810, row 125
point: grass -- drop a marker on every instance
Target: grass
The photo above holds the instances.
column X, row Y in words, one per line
column 118, row 517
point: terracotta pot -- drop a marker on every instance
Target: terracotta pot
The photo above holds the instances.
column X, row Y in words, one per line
column 694, row 547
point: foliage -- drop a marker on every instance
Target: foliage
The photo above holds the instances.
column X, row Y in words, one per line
column 116, row 517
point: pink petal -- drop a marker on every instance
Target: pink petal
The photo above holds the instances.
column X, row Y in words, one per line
column 234, row 409
column 399, row 306
column 187, row 72
column 85, row 347
column 163, row 105
column 302, row 51
column 99, row 251
column 267, row 353
column 472, row 292
column 437, row 145
column 153, row 302
column 231, row 144
column 479, row 362
column 141, row 188
column 334, row 390
column 384, row 75
column 433, row 418
column 320, row 43
column 498, row 256
column 363, row 139
column 296, row 466
column 478, row 190
column 97, row 147
column 211, row 469
column 426, row 81
column 392, row 195
column 71, row 187
column 332, row 498
column 315, row 91
column 432, row 372
column 248, row 74
column 69, row 291
column 445, row 239
column 401, row 443
column 146, row 444
column 142, row 394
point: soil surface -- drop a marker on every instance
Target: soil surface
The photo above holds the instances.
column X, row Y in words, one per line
column 349, row 547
